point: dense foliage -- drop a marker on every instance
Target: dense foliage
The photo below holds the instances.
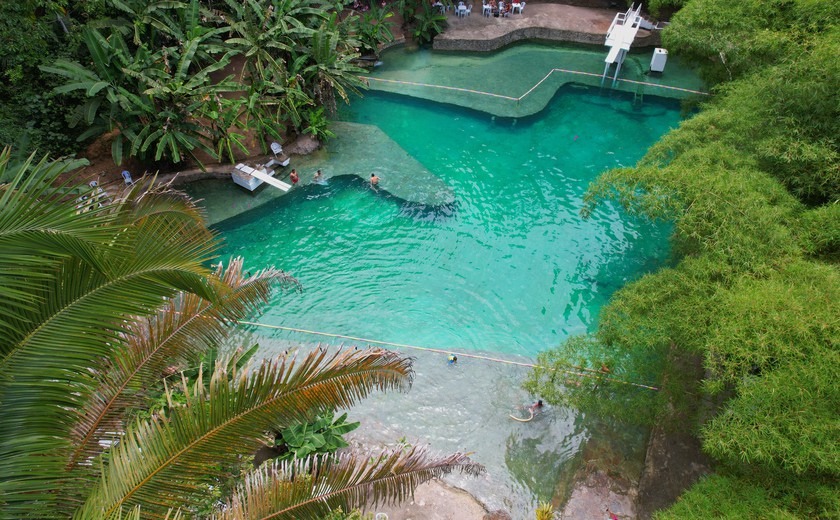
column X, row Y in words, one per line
column 33, row 33
column 173, row 80
column 741, row 333
column 98, row 304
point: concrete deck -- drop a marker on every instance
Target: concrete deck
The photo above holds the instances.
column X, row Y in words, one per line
column 553, row 22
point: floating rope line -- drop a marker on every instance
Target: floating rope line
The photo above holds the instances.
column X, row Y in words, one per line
column 593, row 374
column 540, row 82
column 443, row 87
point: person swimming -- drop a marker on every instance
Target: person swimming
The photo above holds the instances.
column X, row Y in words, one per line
column 532, row 411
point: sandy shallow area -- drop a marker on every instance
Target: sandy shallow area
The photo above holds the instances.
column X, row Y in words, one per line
column 435, row 500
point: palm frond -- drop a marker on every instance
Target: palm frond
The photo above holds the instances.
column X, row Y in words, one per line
column 185, row 326
column 162, row 463
column 288, row 490
column 76, row 310
column 39, row 225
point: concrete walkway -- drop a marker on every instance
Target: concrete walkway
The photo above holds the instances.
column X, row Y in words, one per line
column 553, row 22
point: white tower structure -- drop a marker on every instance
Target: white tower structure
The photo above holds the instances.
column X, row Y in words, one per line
column 620, row 37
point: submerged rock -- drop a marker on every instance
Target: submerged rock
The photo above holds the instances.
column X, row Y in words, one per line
column 674, row 462
column 598, row 491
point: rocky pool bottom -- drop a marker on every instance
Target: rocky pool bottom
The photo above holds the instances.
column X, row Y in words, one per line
column 466, row 407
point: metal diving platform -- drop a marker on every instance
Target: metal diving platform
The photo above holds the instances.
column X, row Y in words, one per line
column 620, row 37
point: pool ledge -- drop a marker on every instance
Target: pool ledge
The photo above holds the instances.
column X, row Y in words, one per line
column 357, row 149
column 361, row 149
column 552, row 22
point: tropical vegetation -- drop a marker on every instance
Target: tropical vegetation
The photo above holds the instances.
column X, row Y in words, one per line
column 185, row 80
column 741, row 333
column 99, row 303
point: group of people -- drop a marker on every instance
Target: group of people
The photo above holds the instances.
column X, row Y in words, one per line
column 318, row 178
column 500, row 9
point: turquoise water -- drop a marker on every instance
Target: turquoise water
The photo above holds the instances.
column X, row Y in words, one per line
column 510, row 267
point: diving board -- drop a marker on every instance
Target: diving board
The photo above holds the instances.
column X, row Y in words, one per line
column 251, row 178
column 265, row 177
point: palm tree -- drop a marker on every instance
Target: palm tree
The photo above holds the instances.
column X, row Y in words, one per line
column 95, row 306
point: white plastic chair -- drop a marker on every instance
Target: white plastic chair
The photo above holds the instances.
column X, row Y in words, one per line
column 485, row 9
column 468, row 10
column 518, row 7
column 276, row 149
column 126, row 175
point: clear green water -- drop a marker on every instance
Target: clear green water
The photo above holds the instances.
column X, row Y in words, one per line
column 509, row 268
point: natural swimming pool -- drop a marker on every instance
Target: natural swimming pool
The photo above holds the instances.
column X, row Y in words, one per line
column 509, row 268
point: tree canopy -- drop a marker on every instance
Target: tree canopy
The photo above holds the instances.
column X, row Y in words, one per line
column 740, row 333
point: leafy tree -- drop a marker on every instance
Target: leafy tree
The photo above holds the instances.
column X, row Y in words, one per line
column 739, row 333
column 329, row 69
column 729, row 39
column 726, row 497
column 149, row 98
column 36, row 32
column 96, row 306
column 154, row 77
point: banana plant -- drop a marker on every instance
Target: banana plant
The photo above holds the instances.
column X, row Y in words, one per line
column 173, row 93
column 428, row 24
column 373, row 28
column 266, row 32
column 327, row 68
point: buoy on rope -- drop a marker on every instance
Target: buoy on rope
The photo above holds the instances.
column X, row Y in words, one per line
column 529, row 419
